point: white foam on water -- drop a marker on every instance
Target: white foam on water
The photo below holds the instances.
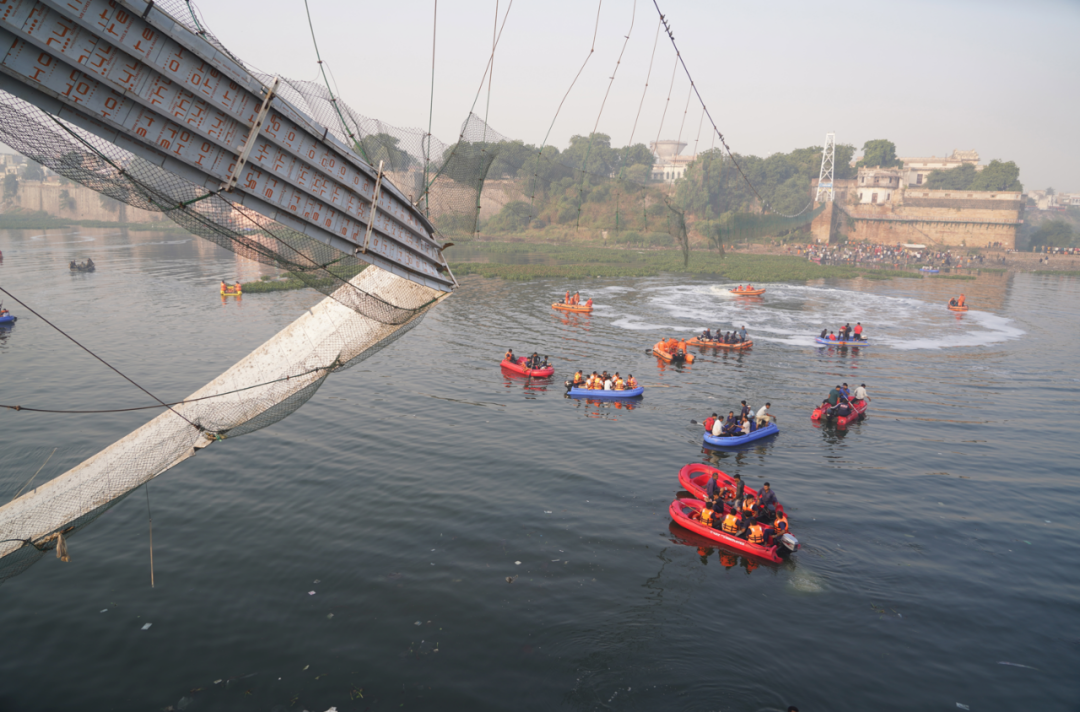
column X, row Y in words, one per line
column 794, row 314
column 806, row 582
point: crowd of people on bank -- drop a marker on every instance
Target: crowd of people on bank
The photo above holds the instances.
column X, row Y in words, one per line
column 744, row 423
column 735, row 511
column 845, row 334
column 894, row 256
column 604, row 381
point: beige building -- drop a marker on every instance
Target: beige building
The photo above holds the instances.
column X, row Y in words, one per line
column 917, row 169
column 669, row 165
column 877, row 185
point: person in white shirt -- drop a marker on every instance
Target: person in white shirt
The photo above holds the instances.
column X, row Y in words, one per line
column 718, row 428
column 608, row 385
column 860, row 393
column 764, row 416
column 745, row 426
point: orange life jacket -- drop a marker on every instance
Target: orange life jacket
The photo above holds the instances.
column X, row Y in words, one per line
column 706, row 516
column 632, row 383
column 748, row 504
column 589, row 303
column 508, row 356
column 756, row 534
column 620, row 385
column 731, row 524
column 578, row 378
column 781, row 524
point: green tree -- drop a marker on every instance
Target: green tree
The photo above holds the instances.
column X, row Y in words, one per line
column 1052, row 233
column 998, row 175
column 959, row 178
column 384, row 147
column 514, row 217
column 879, row 153
column 11, row 186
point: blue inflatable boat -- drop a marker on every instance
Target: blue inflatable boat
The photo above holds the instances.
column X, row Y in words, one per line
column 830, row 342
column 770, row 429
column 586, row 393
column 8, row 319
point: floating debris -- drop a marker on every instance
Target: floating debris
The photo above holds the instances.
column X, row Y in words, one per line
column 147, row 626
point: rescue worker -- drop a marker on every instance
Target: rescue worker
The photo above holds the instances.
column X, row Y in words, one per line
column 706, row 335
column 823, row 334
column 707, row 516
column 832, row 336
column 579, row 378
column 749, row 507
column 713, row 489
column 960, row 301
column 577, row 298
column 508, row 356
column 780, row 525
column 742, row 332
column 858, row 331
column 758, row 533
column 767, row 499
column 631, row 383
column 709, row 423
column 620, row 384
column 737, row 495
column 589, row 303
column 733, row 524
column 567, row 299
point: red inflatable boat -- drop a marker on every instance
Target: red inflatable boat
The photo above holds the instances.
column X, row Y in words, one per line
column 684, row 512
column 695, row 476
column 517, row 367
column 841, row 421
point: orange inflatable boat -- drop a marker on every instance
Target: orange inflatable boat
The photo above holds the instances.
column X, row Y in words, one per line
column 582, row 308
column 673, row 352
column 748, row 292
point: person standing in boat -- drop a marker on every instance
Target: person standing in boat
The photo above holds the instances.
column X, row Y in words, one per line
column 823, row 334
column 576, row 298
column 858, row 331
column 742, row 332
column 767, row 499
column 90, row 265
column 566, row 300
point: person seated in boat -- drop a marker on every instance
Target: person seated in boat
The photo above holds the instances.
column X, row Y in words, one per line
column 579, row 378
column 713, row 490
column 508, row 356
column 618, row 383
column 832, row 336
column 960, row 301
column 731, row 429
column 858, row 331
column 707, row 516
column 845, row 391
column 750, row 507
column 90, row 264
column 609, row 383
column 843, row 409
column 236, row 287
column 767, row 500
column 744, row 411
column 860, row 393
column 709, row 422
column 631, row 382
column 780, row 525
column 589, row 302
column 546, row 363
column 952, row 302
column 534, row 360
column 718, row 428
column 590, row 382
column 764, row 417
column 733, row 524
column 746, row 426
column 706, row 335
column 758, row 533
column 823, row 334
column 739, row 289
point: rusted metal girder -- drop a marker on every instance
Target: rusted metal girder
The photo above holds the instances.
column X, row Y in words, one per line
column 133, row 75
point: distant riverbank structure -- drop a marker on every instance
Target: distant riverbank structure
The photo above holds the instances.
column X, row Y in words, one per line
column 890, row 206
column 670, row 164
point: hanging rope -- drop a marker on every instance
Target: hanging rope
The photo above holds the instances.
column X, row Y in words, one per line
column 588, row 150
column 431, row 109
column 592, row 48
column 111, row 367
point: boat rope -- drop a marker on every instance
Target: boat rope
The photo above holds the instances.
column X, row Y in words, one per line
column 150, row 407
column 150, row 518
column 431, row 109
column 113, row 368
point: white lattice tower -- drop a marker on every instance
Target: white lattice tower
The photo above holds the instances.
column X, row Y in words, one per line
column 825, row 179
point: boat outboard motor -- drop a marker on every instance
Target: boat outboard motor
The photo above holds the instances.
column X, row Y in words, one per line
column 790, row 542
column 569, row 385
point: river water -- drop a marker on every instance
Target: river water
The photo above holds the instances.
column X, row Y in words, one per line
column 356, row 555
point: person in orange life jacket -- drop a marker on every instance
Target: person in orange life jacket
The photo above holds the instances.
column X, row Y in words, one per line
column 589, row 302
column 709, row 422
column 618, row 382
column 707, row 516
column 780, row 525
column 236, row 287
column 832, row 336
column 758, row 533
column 508, row 356
column 733, row 524
column 749, row 507
column 577, row 298
column 858, row 331
column 579, row 378
column 959, row 303
column 567, row 299
column 631, row 382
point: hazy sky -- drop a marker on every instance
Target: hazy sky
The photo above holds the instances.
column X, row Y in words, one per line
column 999, row 77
